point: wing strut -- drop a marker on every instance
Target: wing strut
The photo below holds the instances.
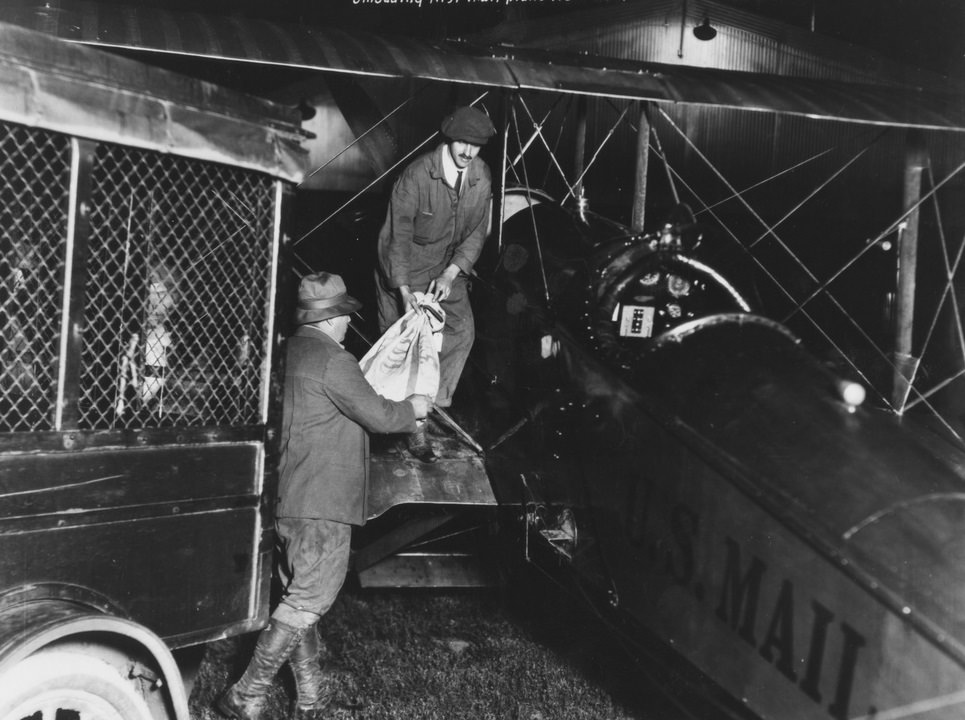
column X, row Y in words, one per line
column 638, row 214
column 916, row 159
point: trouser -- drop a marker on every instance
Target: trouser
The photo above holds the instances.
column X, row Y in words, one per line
column 457, row 335
column 312, row 567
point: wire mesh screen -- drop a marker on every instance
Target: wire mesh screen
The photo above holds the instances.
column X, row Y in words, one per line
column 34, row 200
column 179, row 279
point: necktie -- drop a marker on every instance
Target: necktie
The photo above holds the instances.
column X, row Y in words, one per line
column 458, row 182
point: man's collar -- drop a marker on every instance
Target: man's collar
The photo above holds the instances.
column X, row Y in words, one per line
column 449, row 168
column 312, row 331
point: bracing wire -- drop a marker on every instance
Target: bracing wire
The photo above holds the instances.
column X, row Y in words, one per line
column 538, row 129
column 881, row 353
column 532, row 215
column 769, row 231
column 773, row 177
column 304, row 263
column 532, row 138
column 951, row 269
column 747, row 205
column 599, row 149
column 883, row 234
column 658, row 151
column 756, row 215
column 773, row 278
column 357, row 140
column 377, row 180
column 559, row 139
column 657, row 148
column 519, row 180
column 671, row 173
column 934, row 389
column 920, row 397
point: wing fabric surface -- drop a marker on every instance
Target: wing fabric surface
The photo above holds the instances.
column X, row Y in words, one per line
column 360, row 53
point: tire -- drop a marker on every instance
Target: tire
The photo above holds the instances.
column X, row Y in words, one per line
column 56, row 684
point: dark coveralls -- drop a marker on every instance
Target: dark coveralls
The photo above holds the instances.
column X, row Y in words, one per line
column 426, row 229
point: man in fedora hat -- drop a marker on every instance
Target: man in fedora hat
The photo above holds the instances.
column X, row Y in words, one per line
column 322, row 492
column 433, row 233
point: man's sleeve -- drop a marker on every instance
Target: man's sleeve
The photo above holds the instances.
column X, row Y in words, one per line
column 477, row 227
column 401, row 225
column 353, row 396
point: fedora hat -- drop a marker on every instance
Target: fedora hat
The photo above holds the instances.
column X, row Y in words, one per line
column 321, row 296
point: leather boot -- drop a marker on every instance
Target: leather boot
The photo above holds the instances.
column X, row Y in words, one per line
column 245, row 699
column 313, row 694
column 419, row 446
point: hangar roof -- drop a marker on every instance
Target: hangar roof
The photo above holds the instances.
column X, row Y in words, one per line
column 661, row 31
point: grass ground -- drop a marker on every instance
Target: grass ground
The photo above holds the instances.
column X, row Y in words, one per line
column 443, row 656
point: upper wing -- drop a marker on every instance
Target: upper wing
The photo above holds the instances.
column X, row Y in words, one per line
column 360, row 53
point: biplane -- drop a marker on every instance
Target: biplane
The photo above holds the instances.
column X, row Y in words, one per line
column 664, row 417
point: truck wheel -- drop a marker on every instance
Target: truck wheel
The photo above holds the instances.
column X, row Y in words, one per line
column 52, row 685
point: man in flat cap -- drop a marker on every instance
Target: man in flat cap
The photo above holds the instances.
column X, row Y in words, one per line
column 322, row 492
column 433, row 233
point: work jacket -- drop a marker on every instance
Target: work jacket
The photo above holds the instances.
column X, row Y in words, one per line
column 327, row 407
column 427, row 228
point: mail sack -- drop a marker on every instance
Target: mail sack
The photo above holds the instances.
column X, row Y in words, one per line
column 405, row 360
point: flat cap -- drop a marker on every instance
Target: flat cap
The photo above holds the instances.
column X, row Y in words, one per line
column 467, row 124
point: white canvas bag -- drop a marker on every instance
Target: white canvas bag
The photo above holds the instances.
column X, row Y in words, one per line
column 405, row 360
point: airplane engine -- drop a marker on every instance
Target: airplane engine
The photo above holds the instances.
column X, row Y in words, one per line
column 695, row 471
